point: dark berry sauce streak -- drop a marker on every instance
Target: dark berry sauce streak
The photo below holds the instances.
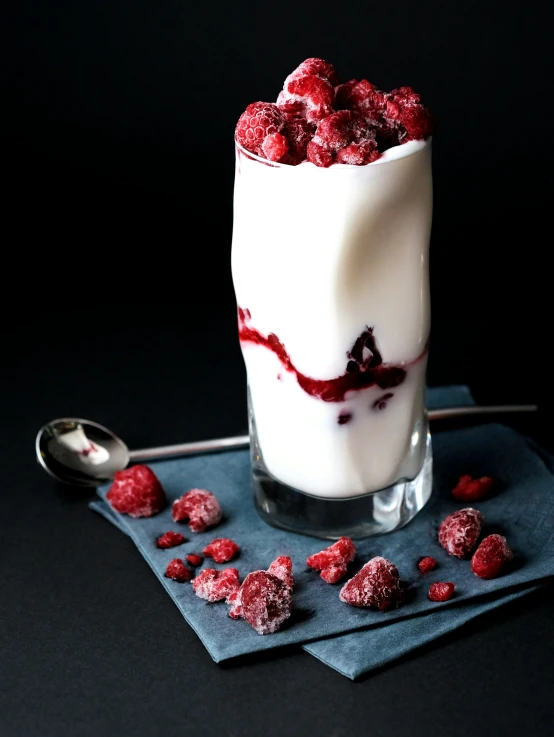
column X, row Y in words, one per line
column 364, row 368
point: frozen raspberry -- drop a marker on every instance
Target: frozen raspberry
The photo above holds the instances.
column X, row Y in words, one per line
column 489, row 558
column 178, row 571
column 377, row 585
column 258, row 121
column 199, row 507
column 459, row 532
column 332, row 561
column 169, row 540
column 343, row 130
column 298, row 133
column 361, row 97
column 275, row 146
column 469, row 489
column 309, row 91
column 263, row 600
column 427, row 564
column 194, row 560
column 417, row 121
column 319, row 68
column 282, row 568
column 136, row 491
column 441, row 591
column 215, row 585
column 221, row 549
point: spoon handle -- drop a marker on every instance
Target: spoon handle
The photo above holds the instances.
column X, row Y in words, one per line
column 243, row 441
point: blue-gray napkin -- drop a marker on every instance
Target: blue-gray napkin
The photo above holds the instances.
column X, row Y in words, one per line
column 523, row 509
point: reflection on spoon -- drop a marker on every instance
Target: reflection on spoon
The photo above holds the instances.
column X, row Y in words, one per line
column 77, row 442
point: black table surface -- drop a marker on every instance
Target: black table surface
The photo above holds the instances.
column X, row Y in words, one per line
column 92, row 645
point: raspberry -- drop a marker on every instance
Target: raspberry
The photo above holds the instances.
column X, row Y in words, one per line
column 377, row 585
column 340, row 131
column 221, row 549
column 298, row 133
column 194, row 560
column 469, row 489
column 458, row 533
column 274, row 147
column 427, row 564
column 136, row 491
column 198, row 506
column 282, row 568
column 417, row 121
column 263, row 600
column 215, row 585
column 333, row 560
column 309, row 91
column 489, row 558
column 361, row 97
column 258, row 121
column 441, row 591
column 178, row 571
column 169, row 540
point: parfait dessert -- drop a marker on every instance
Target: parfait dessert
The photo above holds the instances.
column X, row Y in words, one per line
column 331, row 228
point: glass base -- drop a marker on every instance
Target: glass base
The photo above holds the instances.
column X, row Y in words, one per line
column 363, row 516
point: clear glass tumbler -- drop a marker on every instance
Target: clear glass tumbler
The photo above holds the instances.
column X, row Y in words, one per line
column 331, row 276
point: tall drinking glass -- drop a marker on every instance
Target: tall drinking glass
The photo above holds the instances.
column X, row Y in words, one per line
column 330, row 271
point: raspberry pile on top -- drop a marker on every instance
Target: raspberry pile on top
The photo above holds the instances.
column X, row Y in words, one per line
column 316, row 118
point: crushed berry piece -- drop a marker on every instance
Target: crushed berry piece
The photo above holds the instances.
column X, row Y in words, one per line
column 333, row 574
column 469, row 489
column 344, row 417
column 194, row 560
column 377, row 585
column 381, row 403
column 274, row 146
column 282, row 568
column 178, row 571
column 459, row 532
column 489, row 558
column 221, row 550
column 169, row 540
column 215, row 585
column 258, row 121
column 441, row 591
column 427, row 564
column 136, row 491
column 332, row 561
column 263, row 600
column 199, row 507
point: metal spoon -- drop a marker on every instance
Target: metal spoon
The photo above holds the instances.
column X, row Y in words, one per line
column 84, row 453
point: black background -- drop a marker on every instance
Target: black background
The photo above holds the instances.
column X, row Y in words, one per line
column 119, row 306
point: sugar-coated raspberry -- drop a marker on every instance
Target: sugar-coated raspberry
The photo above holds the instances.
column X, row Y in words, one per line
column 376, row 585
column 169, row 540
column 469, row 489
column 441, row 591
column 221, row 549
column 199, row 507
column 459, row 532
column 489, row 558
column 178, row 571
column 427, row 564
column 136, row 491
column 339, row 131
column 215, row 585
column 194, row 559
column 263, row 600
column 258, row 121
column 282, row 568
column 332, row 561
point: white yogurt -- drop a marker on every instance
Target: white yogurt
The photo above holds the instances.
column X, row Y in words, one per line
column 318, row 255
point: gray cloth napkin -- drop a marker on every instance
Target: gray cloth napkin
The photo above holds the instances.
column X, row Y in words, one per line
column 354, row 641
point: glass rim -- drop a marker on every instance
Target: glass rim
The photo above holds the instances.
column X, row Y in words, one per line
column 379, row 162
